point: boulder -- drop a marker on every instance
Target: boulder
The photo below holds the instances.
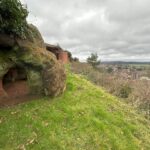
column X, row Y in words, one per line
column 45, row 75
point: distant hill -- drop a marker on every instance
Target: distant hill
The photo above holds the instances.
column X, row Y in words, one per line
column 85, row 117
column 124, row 62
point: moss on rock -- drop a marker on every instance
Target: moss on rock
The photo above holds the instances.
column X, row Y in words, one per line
column 45, row 74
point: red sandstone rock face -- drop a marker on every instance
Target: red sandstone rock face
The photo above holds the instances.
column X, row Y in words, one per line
column 14, row 84
column 63, row 57
column 60, row 54
column 2, row 92
column 45, row 75
column 17, row 89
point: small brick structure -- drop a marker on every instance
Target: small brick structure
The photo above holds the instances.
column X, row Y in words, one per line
column 60, row 54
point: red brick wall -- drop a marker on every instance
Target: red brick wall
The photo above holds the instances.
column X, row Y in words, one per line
column 63, row 56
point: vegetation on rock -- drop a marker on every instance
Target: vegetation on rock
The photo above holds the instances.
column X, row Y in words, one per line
column 45, row 74
column 13, row 18
column 21, row 45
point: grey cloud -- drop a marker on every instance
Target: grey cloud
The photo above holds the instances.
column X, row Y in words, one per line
column 115, row 29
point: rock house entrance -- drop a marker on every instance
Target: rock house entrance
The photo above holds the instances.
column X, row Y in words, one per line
column 14, row 83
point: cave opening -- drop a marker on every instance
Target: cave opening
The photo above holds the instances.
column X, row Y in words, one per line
column 15, row 82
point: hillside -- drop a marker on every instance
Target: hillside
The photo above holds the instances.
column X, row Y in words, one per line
column 84, row 118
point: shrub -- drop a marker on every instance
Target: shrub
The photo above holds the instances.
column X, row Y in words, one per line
column 140, row 96
column 110, row 70
column 13, row 18
column 93, row 60
column 125, row 91
column 135, row 92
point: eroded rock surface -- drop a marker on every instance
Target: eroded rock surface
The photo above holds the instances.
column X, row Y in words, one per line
column 45, row 75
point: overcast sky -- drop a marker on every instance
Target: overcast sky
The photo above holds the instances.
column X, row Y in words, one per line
column 115, row 29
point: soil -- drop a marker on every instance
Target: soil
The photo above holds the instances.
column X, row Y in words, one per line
column 15, row 101
column 13, row 90
column 16, row 88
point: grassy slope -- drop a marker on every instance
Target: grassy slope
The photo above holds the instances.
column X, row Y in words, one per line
column 83, row 118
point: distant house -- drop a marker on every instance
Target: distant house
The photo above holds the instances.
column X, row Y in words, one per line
column 60, row 54
column 145, row 78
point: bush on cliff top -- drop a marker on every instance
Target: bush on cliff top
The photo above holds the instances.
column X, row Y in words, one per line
column 13, row 18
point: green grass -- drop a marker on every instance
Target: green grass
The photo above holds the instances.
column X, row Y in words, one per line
column 84, row 118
